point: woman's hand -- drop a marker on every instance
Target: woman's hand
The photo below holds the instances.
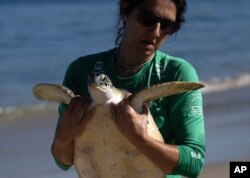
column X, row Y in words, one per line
column 134, row 127
column 74, row 119
column 130, row 123
column 71, row 125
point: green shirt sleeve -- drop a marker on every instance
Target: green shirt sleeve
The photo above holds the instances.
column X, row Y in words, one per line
column 62, row 166
column 187, row 121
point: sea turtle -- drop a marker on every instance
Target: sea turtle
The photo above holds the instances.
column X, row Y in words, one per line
column 102, row 151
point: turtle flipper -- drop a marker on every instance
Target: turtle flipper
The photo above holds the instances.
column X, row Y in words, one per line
column 52, row 92
column 161, row 90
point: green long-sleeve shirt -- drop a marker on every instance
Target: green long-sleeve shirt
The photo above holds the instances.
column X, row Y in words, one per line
column 179, row 117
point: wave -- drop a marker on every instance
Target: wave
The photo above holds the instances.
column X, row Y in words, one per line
column 219, row 84
column 13, row 112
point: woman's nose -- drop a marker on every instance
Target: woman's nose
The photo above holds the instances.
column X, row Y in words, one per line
column 156, row 29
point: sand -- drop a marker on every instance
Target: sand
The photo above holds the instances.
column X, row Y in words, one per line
column 227, row 119
column 26, row 137
column 25, row 145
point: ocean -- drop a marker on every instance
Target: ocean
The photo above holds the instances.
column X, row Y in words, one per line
column 38, row 39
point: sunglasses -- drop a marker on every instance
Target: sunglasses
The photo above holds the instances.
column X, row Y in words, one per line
column 148, row 19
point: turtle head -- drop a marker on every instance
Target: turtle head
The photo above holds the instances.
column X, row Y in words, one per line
column 100, row 88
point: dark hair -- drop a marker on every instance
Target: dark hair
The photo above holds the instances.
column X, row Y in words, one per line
column 127, row 6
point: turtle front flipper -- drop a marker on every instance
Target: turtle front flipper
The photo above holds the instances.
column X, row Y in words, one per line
column 161, row 90
column 52, row 92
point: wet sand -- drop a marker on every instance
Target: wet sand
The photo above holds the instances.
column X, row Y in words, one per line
column 227, row 119
column 26, row 137
column 25, row 145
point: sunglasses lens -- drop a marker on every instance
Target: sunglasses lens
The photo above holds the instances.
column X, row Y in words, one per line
column 148, row 19
column 168, row 27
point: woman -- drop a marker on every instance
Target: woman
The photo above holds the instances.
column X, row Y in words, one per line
column 134, row 64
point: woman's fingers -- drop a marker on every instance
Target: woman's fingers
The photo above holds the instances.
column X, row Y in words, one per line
column 86, row 118
column 78, row 107
column 145, row 110
column 82, row 108
column 89, row 114
column 113, row 112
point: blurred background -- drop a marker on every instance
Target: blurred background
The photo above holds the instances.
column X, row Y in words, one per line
column 39, row 38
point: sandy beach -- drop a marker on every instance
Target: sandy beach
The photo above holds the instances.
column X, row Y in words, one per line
column 26, row 136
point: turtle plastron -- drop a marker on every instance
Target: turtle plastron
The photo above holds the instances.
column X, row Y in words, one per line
column 102, row 151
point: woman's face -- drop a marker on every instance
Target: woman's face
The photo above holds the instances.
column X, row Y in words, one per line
column 145, row 40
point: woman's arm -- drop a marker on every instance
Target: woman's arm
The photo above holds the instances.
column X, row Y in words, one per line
column 134, row 127
column 181, row 159
column 71, row 125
